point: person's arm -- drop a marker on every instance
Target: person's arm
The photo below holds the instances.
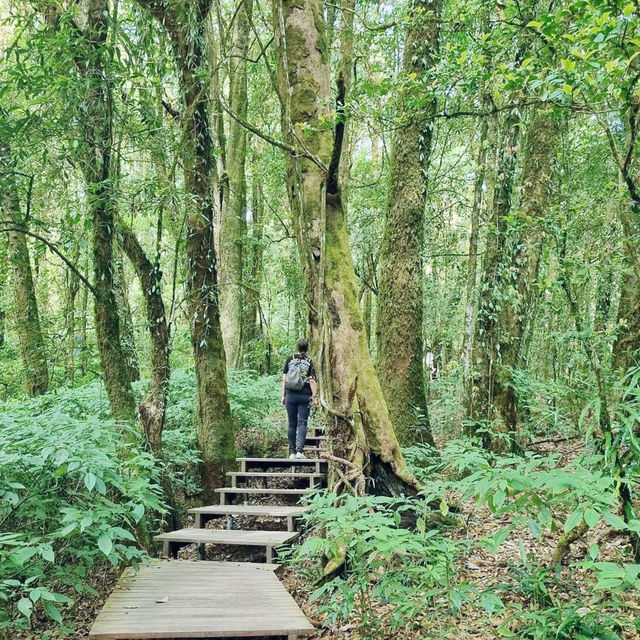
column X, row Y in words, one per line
column 314, row 386
column 284, row 389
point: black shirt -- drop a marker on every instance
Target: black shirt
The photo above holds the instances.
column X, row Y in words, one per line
column 312, row 373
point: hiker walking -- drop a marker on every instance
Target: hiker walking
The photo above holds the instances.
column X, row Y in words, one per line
column 299, row 390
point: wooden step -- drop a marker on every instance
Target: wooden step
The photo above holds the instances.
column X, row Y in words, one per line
column 250, row 491
column 313, row 478
column 315, row 439
column 267, row 463
column 186, row 599
column 203, row 514
column 173, row 540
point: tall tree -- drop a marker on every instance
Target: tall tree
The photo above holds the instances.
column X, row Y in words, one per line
column 517, row 313
column 28, row 325
column 472, row 264
column 186, row 25
column 627, row 346
column 153, row 410
column 361, row 435
column 234, row 208
column 72, row 286
column 254, row 263
column 401, row 293
column 88, row 47
column 486, row 339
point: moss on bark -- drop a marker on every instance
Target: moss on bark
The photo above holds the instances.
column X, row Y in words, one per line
column 360, row 430
column 234, row 209
column 185, row 23
column 401, row 293
column 28, row 328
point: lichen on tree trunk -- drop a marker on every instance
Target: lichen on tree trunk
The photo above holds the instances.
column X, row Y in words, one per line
column 401, row 290
column 186, row 25
column 360, row 430
column 98, row 169
column 485, row 349
column 28, row 328
column 523, row 261
column 234, row 208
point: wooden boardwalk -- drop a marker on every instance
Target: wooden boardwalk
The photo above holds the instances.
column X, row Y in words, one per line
column 185, row 599
column 202, row 599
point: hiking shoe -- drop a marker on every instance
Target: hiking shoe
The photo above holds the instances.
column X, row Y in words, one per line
column 301, row 456
column 292, row 456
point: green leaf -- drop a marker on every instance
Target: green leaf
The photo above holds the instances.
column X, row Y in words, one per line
column 90, row 480
column 25, row 607
column 138, row 512
column 594, row 550
column 573, row 520
column 491, row 603
column 535, row 528
column 22, row 554
column 46, row 551
column 105, row 544
column 66, row 530
column 53, row 612
column 498, row 498
column 615, row 521
column 591, row 517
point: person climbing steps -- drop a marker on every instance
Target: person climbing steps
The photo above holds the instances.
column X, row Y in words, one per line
column 299, row 393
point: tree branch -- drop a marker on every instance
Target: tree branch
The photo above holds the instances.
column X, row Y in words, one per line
column 4, row 228
column 272, row 141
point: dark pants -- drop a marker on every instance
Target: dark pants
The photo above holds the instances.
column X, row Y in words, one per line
column 298, row 414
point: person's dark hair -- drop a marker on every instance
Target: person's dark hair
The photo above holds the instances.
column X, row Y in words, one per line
column 302, row 345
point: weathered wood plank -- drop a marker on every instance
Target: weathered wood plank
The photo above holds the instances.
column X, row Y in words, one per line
column 263, row 491
column 203, row 514
column 183, row 599
column 224, row 536
column 276, row 474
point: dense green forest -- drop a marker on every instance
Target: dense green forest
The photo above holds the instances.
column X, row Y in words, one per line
column 443, row 196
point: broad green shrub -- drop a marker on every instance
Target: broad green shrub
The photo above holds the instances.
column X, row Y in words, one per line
column 73, row 495
column 406, row 568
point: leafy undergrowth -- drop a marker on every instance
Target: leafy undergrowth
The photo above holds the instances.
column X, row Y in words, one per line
column 480, row 565
column 80, row 495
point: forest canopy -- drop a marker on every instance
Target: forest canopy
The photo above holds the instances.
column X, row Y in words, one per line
column 443, row 196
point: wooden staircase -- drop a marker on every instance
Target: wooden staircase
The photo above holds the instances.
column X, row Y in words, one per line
column 256, row 603
column 263, row 471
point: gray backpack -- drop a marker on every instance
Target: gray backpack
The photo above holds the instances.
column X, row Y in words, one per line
column 297, row 374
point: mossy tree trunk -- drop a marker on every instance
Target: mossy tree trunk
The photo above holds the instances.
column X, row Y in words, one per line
column 345, row 77
column 361, row 434
column 127, row 334
column 626, row 350
column 517, row 313
column 89, row 49
column 252, row 323
column 401, row 294
column 72, row 286
column 485, row 351
column 28, row 328
column 234, row 210
column 472, row 263
column 153, row 410
column 83, row 345
column 186, row 25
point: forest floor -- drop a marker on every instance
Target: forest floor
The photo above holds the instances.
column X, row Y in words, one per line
column 480, row 568
column 484, row 569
